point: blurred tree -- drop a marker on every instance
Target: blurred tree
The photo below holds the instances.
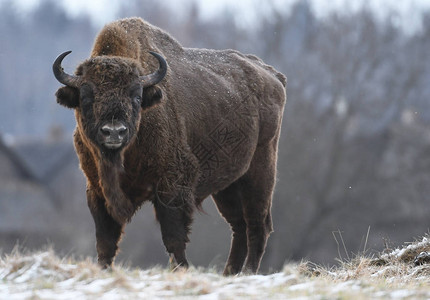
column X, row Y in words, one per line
column 27, row 86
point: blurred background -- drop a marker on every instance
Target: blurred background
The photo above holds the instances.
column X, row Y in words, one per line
column 354, row 155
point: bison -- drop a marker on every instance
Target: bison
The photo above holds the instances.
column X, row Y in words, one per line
column 172, row 125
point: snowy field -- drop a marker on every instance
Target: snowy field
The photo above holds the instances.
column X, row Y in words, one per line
column 43, row 275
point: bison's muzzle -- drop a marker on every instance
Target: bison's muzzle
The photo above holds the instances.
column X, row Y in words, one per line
column 113, row 135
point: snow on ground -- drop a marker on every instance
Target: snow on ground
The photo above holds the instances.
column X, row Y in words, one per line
column 43, row 275
column 409, row 252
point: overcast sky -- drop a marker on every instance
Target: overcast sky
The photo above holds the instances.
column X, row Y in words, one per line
column 103, row 11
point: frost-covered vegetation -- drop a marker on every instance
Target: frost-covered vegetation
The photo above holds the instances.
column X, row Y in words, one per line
column 43, row 275
column 354, row 144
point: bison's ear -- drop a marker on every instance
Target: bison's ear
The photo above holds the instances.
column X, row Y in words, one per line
column 151, row 96
column 68, row 97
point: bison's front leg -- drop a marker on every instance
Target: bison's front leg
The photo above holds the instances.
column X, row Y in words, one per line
column 108, row 231
column 175, row 221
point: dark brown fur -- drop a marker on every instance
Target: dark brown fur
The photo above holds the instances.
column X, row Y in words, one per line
column 211, row 127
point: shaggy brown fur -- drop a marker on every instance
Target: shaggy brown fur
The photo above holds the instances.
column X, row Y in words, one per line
column 211, row 127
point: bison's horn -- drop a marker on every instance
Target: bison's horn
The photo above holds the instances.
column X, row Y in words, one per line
column 64, row 78
column 157, row 76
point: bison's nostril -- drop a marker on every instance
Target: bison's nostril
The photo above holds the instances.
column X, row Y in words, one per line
column 105, row 131
column 122, row 131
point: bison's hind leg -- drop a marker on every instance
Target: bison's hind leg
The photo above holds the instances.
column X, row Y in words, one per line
column 246, row 205
column 229, row 204
column 257, row 189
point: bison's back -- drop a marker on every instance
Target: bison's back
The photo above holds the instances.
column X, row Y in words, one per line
column 226, row 84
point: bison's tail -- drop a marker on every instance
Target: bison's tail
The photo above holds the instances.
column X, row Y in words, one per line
column 281, row 77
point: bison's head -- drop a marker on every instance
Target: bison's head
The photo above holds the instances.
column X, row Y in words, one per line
column 108, row 94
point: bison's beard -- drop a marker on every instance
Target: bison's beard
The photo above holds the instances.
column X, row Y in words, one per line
column 117, row 203
column 113, row 156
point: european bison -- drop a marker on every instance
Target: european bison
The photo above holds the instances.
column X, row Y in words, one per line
column 206, row 122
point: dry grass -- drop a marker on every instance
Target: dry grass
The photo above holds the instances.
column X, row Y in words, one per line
column 392, row 274
column 43, row 275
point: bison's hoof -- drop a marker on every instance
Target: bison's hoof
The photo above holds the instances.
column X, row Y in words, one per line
column 230, row 271
column 174, row 266
column 105, row 264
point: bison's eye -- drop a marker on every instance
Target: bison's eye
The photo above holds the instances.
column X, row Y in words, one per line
column 137, row 99
column 136, row 94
